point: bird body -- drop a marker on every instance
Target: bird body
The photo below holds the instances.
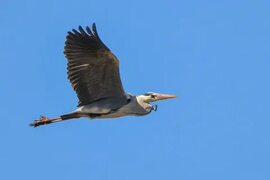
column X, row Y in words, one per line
column 93, row 71
column 115, row 107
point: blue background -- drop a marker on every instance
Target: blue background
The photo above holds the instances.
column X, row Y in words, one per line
column 214, row 55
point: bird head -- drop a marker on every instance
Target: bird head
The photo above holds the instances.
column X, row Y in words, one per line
column 152, row 97
column 145, row 99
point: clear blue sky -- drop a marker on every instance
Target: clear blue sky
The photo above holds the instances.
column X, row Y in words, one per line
column 215, row 55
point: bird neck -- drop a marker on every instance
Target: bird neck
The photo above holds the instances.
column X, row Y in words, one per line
column 142, row 102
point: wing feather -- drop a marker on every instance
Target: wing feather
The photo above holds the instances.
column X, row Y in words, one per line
column 93, row 69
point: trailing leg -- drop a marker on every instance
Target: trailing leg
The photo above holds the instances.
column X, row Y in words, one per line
column 44, row 120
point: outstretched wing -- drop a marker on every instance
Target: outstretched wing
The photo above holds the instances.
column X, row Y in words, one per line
column 93, row 70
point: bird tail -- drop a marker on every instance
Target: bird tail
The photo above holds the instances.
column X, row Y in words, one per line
column 44, row 120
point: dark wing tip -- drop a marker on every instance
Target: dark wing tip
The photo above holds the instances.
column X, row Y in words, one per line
column 75, row 32
column 89, row 30
column 82, row 31
column 94, row 27
column 70, row 34
column 80, row 28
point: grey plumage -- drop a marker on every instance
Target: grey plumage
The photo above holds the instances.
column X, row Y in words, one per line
column 93, row 71
column 115, row 107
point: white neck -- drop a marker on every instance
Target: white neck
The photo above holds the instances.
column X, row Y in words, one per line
column 141, row 100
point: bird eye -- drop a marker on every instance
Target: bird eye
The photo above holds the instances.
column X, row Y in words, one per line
column 153, row 96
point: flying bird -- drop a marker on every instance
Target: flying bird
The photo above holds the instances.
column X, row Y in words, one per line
column 93, row 71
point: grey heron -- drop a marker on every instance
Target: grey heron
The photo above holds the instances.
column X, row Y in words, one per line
column 93, row 71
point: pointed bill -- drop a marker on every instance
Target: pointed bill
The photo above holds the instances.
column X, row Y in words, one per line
column 165, row 96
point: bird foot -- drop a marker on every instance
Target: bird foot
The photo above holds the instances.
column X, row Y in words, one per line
column 41, row 121
column 154, row 107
